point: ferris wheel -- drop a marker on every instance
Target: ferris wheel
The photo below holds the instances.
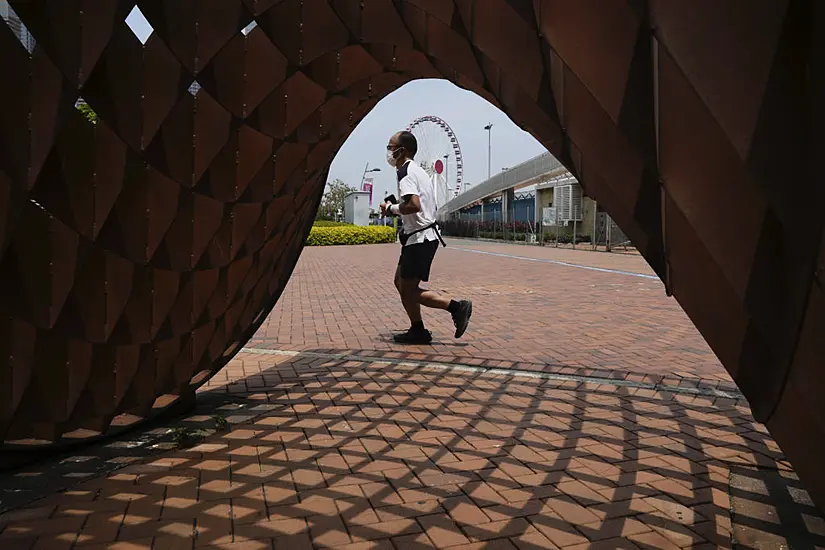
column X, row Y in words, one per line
column 439, row 154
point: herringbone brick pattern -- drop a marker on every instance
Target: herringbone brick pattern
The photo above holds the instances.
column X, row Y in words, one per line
column 526, row 309
column 354, row 454
column 346, row 441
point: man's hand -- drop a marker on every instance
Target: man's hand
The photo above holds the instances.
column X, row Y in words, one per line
column 385, row 206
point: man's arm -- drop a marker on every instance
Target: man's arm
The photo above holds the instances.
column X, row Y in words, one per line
column 410, row 204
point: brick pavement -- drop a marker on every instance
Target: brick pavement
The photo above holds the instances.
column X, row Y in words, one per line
column 623, row 260
column 583, row 424
column 524, row 310
column 363, row 454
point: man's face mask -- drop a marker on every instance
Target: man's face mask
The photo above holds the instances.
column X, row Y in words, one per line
column 392, row 156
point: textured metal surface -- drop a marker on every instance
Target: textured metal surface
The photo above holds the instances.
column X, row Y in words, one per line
column 139, row 254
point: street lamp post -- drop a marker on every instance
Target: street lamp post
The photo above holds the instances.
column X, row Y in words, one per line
column 364, row 176
column 489, row 129
column 446, row 176
column 366, row 171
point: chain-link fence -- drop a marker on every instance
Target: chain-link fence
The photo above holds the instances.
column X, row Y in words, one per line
column 496, row 229
column 608, row 234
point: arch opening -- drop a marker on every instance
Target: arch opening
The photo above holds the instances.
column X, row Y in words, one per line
column 138, row 249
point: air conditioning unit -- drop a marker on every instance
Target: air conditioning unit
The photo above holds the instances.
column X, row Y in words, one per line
column 568, row 201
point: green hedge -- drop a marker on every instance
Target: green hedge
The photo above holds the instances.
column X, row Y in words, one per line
column 330, row 236
column 329, row 223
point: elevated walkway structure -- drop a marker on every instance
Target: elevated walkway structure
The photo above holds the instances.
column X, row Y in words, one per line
column 537, row 200
column 534, row 171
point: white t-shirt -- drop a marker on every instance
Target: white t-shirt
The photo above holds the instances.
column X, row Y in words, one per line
column 413, row 180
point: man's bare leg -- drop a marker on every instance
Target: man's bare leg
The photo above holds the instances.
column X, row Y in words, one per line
column 412, row 307
column 413, row 297
column 428, row 298
column 459, row 310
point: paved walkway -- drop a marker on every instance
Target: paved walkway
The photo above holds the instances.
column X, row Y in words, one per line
column 374, row 454
column 329, row 445
column 528, row 308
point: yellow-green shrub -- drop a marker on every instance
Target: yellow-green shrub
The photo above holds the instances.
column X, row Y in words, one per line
column 350, row 234
column 329, row 223
column 87, row 112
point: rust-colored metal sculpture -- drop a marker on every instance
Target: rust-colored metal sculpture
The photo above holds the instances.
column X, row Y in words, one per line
column 140, row 253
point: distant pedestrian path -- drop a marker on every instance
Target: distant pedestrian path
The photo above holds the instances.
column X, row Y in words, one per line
column 534, row 306
column 626, row 262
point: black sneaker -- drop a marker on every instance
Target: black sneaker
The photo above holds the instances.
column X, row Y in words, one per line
column 414, row 337
column 461, row 318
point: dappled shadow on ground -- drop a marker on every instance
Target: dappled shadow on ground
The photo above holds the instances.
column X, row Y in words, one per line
column 331, row 452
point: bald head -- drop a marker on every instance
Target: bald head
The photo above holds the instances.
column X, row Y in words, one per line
column 405, row 142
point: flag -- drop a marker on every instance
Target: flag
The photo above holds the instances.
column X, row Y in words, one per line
column 367, row 186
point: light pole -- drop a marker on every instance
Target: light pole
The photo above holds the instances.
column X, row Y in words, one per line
column 446, row 178
column 489, row 129
column 364, row 175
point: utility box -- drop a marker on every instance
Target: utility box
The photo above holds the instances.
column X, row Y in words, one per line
column 357, row 208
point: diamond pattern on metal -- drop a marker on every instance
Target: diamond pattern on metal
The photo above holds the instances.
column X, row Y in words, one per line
column 140, row 252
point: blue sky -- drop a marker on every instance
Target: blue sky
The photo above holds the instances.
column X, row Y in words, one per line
column 464, row 111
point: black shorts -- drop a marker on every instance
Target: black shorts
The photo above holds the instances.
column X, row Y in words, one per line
column 416, row 260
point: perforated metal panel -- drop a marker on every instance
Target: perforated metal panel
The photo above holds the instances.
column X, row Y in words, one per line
column 139, row 253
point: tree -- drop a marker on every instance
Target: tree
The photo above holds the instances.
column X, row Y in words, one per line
column 87, row 112
column 333, row 200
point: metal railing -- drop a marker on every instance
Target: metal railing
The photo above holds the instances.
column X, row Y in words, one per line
column 604, row 234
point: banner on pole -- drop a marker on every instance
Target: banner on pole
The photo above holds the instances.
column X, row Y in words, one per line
column 367, row 186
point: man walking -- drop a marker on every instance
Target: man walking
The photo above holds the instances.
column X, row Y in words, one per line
column 419, row 243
